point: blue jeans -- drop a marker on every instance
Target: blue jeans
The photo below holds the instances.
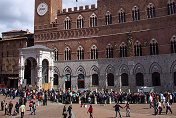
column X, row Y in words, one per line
column 118, row 112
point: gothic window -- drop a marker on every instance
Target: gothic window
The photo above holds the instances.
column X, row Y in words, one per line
column 108, row 18
column 174, row 78
column 80, row 53
column 154, row 47
column 67, row 53
column 156, row 79
column 137, row 48
column 150, row 11
column 124, row 79
column 135, row 13
column 80, row 22
column 56, row 55
column 67, row 23
column 109, row 51
column 123, row 50
column 122, row 16
column 139, row 79
column 93, row 20
column 95, row 80
column 171, row 7
column 173, row 44
column 94, row 52
column 55, row 79
column 110, row 78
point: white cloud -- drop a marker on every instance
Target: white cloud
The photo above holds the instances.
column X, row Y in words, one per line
column 19, row 14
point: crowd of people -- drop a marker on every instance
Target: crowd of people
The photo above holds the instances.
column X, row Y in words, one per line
column 156, row 100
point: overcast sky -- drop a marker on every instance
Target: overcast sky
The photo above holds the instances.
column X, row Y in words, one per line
column 19, row 14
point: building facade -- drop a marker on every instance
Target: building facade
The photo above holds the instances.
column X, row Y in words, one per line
column 120, row 44
column 9, row 55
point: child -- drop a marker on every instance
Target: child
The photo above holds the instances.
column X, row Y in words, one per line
column 127, row 109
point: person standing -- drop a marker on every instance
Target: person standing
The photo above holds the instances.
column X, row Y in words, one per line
column 10, row 107
column 2, row 105
column 17, row 107
column 159, row 107
column 70, row 111
column 117, row 109
column 64, row 112
column 127, row 109
column 90, row 110
column 6, row 109
column 168, row 107
column 22, row 110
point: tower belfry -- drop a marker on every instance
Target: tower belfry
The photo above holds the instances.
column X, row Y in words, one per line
column 46, row 11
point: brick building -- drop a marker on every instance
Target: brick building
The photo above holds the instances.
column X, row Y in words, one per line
column 119, row 44
column 9, row 55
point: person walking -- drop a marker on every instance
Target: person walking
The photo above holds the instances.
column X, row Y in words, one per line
column 90, row 110
column 127, row 109
column 64, row 112
column 70, row 111
column 33, row 108
column 168, row 107
column 159, row 107
column 22, row 110
column 17, row 107
column 117, row 109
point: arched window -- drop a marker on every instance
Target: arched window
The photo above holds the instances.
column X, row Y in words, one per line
column 93, row 20
column 135, row 13
column 156, row 79
column 123, row 50
column 94, row 52
column 55, row 79
column 67, row 23
column 108, row 18
column 139, row 79
column 174, row 78
column 55, row 54
column 95, row 80
column 122, row 16
column 45, row 69
column 80, row 22
column 81, row 83
column 109, row 51
column 80, row 53
column 154, row 47
column 150, row 10
column 124, row 79
column 171, row 7
column 67, row 53
column 173, row 44
column 110, row 78
column 137, row 48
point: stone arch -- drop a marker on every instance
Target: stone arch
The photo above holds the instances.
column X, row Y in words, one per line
column 173, row 67
column 139, row 68
column 80, row 70
column 110, row 69
column 124, row 69
column 155, row 67
column 67, row 70
column 56, row 70
column 94, row 70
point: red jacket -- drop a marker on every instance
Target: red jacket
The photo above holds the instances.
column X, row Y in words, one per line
column 90, row 110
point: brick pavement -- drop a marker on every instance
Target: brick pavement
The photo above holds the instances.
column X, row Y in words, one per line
column 54, row 110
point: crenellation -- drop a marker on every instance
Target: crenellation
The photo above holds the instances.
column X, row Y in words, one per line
column 87, row 7
column 75, row 8
column 64, row 10
column 69, row 9
column 81, row 8
column 93, row 6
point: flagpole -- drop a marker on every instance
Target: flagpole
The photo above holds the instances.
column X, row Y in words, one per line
column 76, row 3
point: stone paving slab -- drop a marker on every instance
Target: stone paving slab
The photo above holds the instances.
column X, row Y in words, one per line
column 54, row 110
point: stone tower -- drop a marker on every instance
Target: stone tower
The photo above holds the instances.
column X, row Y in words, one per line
column 46, row 12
